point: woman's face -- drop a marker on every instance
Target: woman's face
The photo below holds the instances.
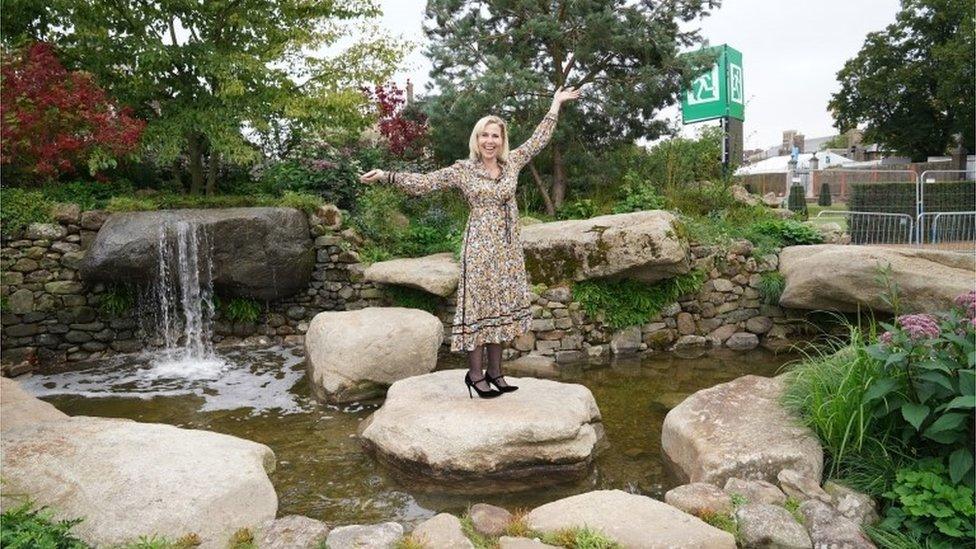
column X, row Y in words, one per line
column 490, row 141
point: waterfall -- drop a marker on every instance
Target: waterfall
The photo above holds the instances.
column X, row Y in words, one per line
column 181, row 302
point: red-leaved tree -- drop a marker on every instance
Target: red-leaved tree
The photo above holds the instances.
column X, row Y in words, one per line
column 403, row 129
column 54, row 121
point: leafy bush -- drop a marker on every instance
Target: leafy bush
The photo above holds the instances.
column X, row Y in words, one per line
column 582, row 208
column 22, row 207
column 319, row 169
column 131, row 204
column 308, row 203
column 700, row 199
column 89, row 195
column 637, row 195
column 824, row 199
column 628, row 302
column 797, row 201
column 928, row 503
column 788, row 232
column 27, row 527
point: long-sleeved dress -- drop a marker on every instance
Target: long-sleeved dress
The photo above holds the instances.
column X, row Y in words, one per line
column 492, row 295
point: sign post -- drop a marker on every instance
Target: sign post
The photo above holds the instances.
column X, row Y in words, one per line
column 719, row 93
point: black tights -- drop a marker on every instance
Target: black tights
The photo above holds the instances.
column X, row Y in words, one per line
column 476, row 361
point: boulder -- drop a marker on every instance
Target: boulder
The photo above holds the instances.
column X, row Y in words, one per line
column 755, row 491
column 640, row 245
column 631, row 520
column 738, row 429
column 533, row 365
column 128, row 479
column 699, row 498
column 765, row 525
column 429, row 429
column 263, row 253
column 442, row 531
column 829, row 528
column 772, row 200
column 372, row 536
column 19, row 408
column 740, row 194
column 801, row 487
column 844, row 278
column 292, row 531
column 508, row 542
column 861, row 508
column 742, row 341
column 489, row 520
column 436, row 274
column 354, row 355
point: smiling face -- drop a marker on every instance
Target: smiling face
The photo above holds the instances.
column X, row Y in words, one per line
column 490, row 141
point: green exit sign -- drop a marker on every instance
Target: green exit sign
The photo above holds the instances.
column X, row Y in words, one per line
column 718, row 92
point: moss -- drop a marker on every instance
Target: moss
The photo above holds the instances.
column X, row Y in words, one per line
column 552, row 266
column 627, row 302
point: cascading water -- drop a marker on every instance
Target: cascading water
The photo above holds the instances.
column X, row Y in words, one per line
column 180, row 303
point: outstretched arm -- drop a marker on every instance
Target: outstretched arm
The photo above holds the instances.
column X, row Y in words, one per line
column 543, row 132
column 415, row 183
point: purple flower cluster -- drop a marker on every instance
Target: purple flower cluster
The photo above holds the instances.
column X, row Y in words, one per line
column 886, row 338
column 919, row 326
column 967, row 302
column 320, row 165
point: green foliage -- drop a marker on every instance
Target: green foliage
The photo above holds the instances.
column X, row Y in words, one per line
column 628, row 302
column 305, row 202
column 21, row 208
column 225, row 91
column 678, row 162
column 579, row 538
column 170, row 201
column 239, row 309
column 705, row 198
column 26, row 527
column 117, row 299
column 824, row 199
column 788, row 232
column 928, row 503
column 320, row 169
column 771, row 286
column 131, row 204
column 89, row 195
column 793, row 506
column 637, row 195
column 412, row 298
column 928, row 50
column 582, row 208
column 722, row 521
column 797, row 201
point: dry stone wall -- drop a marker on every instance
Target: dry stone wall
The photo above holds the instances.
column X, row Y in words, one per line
column 50, row 316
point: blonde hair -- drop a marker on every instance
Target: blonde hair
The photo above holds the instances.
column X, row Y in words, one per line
column 480, row 127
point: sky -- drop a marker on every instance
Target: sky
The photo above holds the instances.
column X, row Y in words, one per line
column 791, row 52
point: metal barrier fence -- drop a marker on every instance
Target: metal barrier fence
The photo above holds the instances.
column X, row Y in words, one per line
column 876, row 228
column 948, row 231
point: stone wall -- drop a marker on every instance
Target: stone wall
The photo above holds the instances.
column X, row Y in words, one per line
column 50, row 316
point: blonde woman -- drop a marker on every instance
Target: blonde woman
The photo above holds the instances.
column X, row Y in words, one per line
column 492, row 294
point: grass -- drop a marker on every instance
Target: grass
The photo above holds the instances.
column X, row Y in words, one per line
column 580, row 537
column 771, row 286
column 841, row 220
column 628, row 302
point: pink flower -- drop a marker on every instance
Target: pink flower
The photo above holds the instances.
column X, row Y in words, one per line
column 919, row 326
column 967, row 302
column 885, row 338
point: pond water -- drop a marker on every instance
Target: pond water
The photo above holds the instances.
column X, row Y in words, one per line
column 262, row 395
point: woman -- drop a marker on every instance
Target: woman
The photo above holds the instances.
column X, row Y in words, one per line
column 492, row 295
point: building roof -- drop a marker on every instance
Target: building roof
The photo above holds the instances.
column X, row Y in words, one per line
column 780, row 164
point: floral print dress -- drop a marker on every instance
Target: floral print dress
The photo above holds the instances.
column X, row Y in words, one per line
column 492, row 295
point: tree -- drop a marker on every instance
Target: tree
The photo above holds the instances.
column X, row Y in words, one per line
column 404, row 128
column 55, row 121
column 218, row 80
column 912, row 84
column 508, row 56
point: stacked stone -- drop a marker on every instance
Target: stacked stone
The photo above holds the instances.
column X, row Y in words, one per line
column 50, row 314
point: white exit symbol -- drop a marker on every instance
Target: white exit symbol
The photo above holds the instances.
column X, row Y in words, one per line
column 704, row 89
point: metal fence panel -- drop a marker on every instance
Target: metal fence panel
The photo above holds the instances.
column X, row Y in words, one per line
column 876, row 228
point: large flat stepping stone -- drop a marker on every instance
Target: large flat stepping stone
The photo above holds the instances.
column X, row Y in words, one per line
column 631, row 520
column 355, row 355
column 740, row 430
column 130, row 479
column 436, row 274
column 641, row 245
column 264, row 253
column 844, row 278
column 429, row 430
column 18, row 407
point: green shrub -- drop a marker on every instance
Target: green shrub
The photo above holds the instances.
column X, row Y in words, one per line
column 771, row 286
column 412, row 298
column 582, row 208
column 700, row 199
column 628, row 302
column 306, row 202
column 788, row 232
column 637, row 195
column 89, row 195
column 26, row 527
column 21, row 207
column 797, row 201
column 824, row 199
column 131, row 204
column 320, row 169
column 927, row 503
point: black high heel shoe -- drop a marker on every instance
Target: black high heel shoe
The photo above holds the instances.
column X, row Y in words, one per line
column 494, row 381
column 490, row 393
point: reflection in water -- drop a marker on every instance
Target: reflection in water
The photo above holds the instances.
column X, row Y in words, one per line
column 262, row 395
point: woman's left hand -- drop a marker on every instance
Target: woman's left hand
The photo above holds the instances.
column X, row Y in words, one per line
column 565, row 94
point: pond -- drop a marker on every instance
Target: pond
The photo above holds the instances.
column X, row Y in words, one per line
column 262, row 395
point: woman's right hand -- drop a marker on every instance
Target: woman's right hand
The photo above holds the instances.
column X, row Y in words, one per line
column 372, row 176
